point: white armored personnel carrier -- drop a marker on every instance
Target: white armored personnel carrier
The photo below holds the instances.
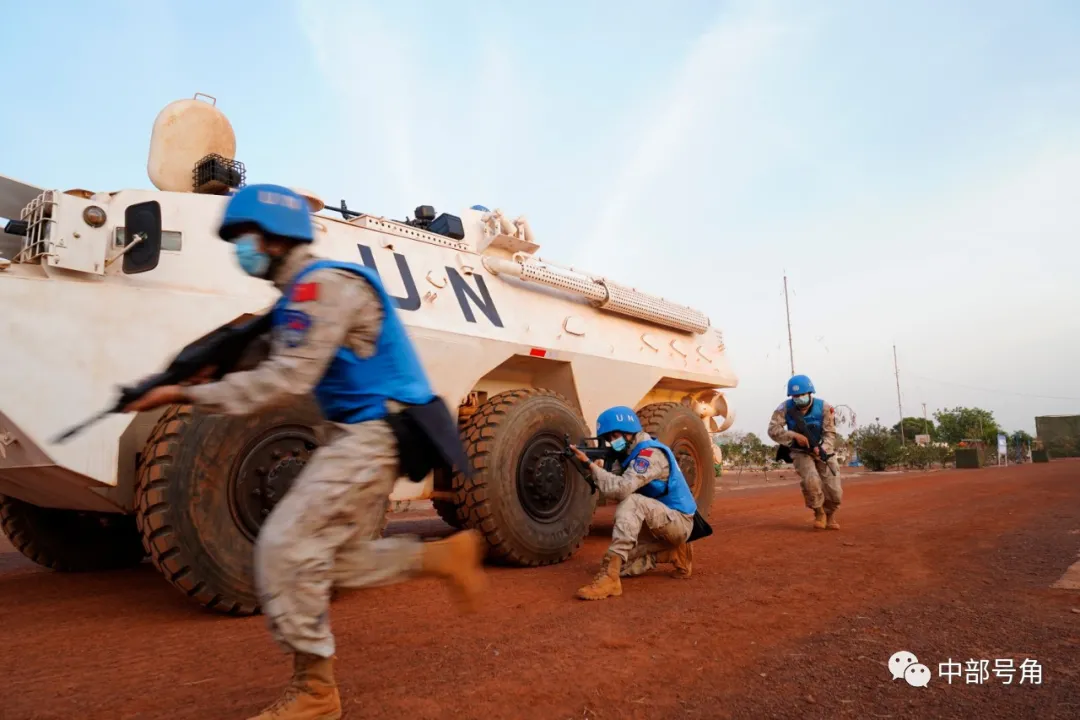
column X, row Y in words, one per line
column 101, row 288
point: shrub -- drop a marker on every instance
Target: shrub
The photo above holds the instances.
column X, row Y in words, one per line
column 878, row 448
column 920, row 457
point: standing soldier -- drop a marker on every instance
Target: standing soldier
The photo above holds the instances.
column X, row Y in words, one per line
column 336, row 333
column 805, row 429
column 652, row 492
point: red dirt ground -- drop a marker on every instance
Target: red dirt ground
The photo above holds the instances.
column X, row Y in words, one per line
column 778, row 621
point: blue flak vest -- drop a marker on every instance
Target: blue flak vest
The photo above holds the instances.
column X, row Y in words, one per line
column 355, row 389
column 814, row 419
column 673, row 492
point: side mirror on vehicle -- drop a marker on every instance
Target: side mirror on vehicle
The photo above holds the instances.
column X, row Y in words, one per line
column 143, row 222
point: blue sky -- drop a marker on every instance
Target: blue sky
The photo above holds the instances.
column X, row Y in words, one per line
column 914, row 167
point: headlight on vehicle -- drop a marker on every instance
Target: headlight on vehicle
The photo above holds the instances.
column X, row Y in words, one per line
column 94, row 216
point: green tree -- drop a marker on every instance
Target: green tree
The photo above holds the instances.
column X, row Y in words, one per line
column 967, row 423
column 922, row 457
column 915, row 426
column 733, row 447
column 878, row 447
column 746, row 450
column 757, row 453
column 919, row 457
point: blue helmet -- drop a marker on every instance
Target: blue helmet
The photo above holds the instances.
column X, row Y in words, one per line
column 481, row 208
column 273, row 209
column 799, row 385
column 620, row 418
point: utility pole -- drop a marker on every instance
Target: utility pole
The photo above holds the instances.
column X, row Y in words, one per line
column 899, row 405
column 787, row 311
column 926, row 423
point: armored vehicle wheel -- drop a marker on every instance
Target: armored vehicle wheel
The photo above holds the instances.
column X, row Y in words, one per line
column 533, row 508
column 679, row 427
column 206, row 482
column 205, row 486
column 71, row 540
column 448, row 513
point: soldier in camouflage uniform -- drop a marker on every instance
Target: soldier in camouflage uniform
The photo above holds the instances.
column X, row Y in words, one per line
column 820, row 477
column 336, row 332
column 655, row 514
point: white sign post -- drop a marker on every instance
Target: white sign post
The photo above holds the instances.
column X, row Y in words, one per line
column 1003, row 450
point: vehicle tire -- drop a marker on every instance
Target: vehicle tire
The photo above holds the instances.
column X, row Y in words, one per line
column 533, row 509
column 201, row 497
column 679, row 427
column 71, row 540
column 448, row 513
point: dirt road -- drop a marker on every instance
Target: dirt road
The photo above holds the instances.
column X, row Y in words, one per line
column 778, row 621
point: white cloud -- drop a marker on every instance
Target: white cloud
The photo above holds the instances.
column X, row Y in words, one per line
column 366, row 62
column 718, row 71
column 445, row 132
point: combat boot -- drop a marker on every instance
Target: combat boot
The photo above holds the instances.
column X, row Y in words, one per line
column 819, row 519
column 312, row 693
column 606, row 583
column 460, row 560
column 681, row 557
column 831, row 523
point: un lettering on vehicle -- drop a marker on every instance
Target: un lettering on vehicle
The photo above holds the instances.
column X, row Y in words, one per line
column 473, row 299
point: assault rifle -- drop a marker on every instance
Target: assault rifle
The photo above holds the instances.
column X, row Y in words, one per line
column 783, row 452
column 602, row 452
column 219, row 352
column 701, row 527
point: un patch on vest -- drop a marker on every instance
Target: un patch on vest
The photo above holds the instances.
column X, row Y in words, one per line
column 294, row 329
column 640, row 465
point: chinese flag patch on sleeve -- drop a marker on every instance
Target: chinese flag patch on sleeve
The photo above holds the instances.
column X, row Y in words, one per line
column 647, row 452
column 306, row 292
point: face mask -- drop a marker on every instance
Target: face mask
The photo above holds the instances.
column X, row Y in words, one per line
column 252, row 260
column 802, row 400
column 618, row 444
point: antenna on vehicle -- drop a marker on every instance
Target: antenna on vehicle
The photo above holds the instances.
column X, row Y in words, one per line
column 344, row 210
